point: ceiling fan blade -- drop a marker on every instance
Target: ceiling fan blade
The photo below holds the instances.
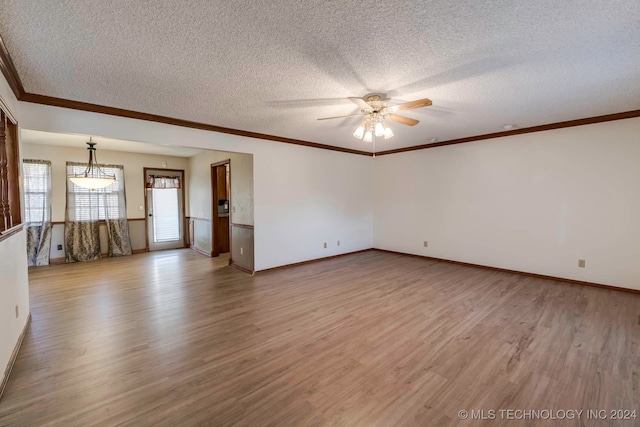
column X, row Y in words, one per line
column 361, row 103
column 402, row 119
column 341, row 117
column 419, row 103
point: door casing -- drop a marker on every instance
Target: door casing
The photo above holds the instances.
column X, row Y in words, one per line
column 215, row 247
column 146, row 208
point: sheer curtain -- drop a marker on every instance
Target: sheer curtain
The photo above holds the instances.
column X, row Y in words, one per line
column 37, row 210
column 115, row 203
column 85, row 208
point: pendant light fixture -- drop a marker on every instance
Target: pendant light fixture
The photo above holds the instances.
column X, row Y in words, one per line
column 93, row 177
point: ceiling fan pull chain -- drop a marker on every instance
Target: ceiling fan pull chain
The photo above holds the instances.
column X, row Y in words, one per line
column 374, row 146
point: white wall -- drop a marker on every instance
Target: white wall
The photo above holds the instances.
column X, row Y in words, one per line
column 534, row 203
column 14, row 290
column 14, row 286
column 303, row 196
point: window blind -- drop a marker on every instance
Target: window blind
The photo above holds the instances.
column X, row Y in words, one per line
column 36, row 191
column 92, row 204
column 166, row 215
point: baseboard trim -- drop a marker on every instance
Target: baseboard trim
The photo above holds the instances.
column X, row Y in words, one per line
column 241, row 268
column 295, row 264
column 14, row 355
column 202, row 251
column 63, row 260
column 522, row 273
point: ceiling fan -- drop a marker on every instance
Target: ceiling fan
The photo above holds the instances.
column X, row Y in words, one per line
column 376, row 111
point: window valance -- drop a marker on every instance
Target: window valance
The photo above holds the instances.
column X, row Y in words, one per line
column 159, row 181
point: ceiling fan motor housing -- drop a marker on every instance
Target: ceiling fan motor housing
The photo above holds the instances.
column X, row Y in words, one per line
column 376, row 103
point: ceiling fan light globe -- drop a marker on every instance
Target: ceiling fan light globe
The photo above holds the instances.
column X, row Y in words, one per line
column 359, row 132
column 368, row 137
column 388, row 133
column 379, row 129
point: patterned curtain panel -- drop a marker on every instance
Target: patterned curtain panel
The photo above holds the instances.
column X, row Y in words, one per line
column 116, row 216
column 37, row 210
column 118, row 234
column 85, row 208
column 158, row 181
column 81, row 240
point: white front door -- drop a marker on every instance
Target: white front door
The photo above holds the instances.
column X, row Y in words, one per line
column 165, row 218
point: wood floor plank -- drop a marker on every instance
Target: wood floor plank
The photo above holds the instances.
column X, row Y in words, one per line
column 371, row 339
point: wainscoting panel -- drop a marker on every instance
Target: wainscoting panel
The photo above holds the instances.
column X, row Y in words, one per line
column 57, row 238
column 242, row 238
column 136, row 232
column 201, row 238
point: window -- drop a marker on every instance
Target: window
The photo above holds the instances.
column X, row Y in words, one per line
column 93, row 205
column 37, row 190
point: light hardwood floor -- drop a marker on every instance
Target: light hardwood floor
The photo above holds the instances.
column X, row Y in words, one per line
column 374, row 339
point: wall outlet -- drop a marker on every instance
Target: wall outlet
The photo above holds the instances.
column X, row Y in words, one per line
column 325, row 245
column 233, row 209
column 17, row 311
column 582, row 263
column 164, row 164
column 59, row 247
column 425, row 244
column 141, row 208
column 241, row 251
column 338, row 242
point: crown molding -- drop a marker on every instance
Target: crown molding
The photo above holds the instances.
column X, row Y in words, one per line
column 11, row 74
column 7, row 111
column 540, row 128
column 101, row 109
column 9, row 71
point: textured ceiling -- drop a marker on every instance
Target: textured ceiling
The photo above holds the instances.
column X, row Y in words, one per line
column 79, row 141
column 275, row 67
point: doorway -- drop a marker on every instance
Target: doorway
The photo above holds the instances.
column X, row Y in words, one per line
column 221, row 202
column 164, row 205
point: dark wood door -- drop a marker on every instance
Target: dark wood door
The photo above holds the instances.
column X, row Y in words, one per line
column 223, row 234
column 222, row 182
column 220, row 185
